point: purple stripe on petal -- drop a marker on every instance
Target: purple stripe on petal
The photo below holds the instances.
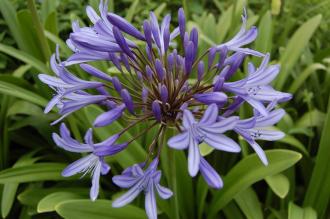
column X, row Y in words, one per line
column 124, row 181
column 180, row 141
column 94, row 192
column 163, row 192
column 193, row 157
column 221, row 142
column 128, row 197
column 150, row 202
column 210, row 115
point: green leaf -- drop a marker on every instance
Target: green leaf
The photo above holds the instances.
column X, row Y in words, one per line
column 279, row 184
column 25, row 57
column 318, row 192
column 55, row 39
column 263, row 42
column 16, row 91
column 248, row 171
column 32, row 173
column 100, row 209
column 9, row 189
column 32, row 196
column 292, row 141
column 25, row 108
column 248, row 202
column 224, row 24
column 296, row 212
column 201, row 193
column 31, row 41
column 132, row 10
column 48, row 203
column 301, row 79
column 9, row 14
column 294, row 48
column 313, row 118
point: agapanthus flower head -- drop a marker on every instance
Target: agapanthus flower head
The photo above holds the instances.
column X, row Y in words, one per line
column 163, row 86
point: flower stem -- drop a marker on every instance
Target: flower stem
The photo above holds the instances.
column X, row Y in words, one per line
column 172, row 177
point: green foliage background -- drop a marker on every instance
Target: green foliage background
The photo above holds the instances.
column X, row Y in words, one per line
column 295, row 185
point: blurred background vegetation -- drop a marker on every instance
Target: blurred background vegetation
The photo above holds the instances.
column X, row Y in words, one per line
column 295, row 32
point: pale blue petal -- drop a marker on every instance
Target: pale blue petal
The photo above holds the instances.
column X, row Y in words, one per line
column 210, row 115
column 163, row 192
column 150, row 203
column 128, row 197
column 94, row 192
column 193, row 157
column 211, row 177
column 180, row 141
column 222, row 142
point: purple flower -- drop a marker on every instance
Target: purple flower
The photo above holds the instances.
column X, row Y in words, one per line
column 158, row 88
column 68, row 87
column 257, row 128
column 207, row 130
column 139, row 181
column 242, row 38
column 255, row 89
column 92, row 163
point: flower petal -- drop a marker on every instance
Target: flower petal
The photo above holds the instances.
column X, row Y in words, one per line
column 109, row 117
column 163, row 192
column 150, row 203
column 221, row 142
column 220, row 127
column 79, row 166
column 211, row 177
column 210, row 115
column 128, row 197
column 272, row 118
column 94, row 192
column 188, row 119
column 193, row 157
column 124, row 181
column 261, row 154
column 180, row 141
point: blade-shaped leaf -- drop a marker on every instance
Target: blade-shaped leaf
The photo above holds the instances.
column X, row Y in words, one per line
column 32, row 173
column 248, row 171
column 279, row 183
column 48, row 203
column 248, row 202
column 296, row 212
column 19, row 92
column 295, row 46
column 100, row 209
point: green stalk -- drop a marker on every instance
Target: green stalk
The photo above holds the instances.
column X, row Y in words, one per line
column 40, row 30
column 171, row 176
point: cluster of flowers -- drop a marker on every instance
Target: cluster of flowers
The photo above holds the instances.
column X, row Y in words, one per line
column 165, row 89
